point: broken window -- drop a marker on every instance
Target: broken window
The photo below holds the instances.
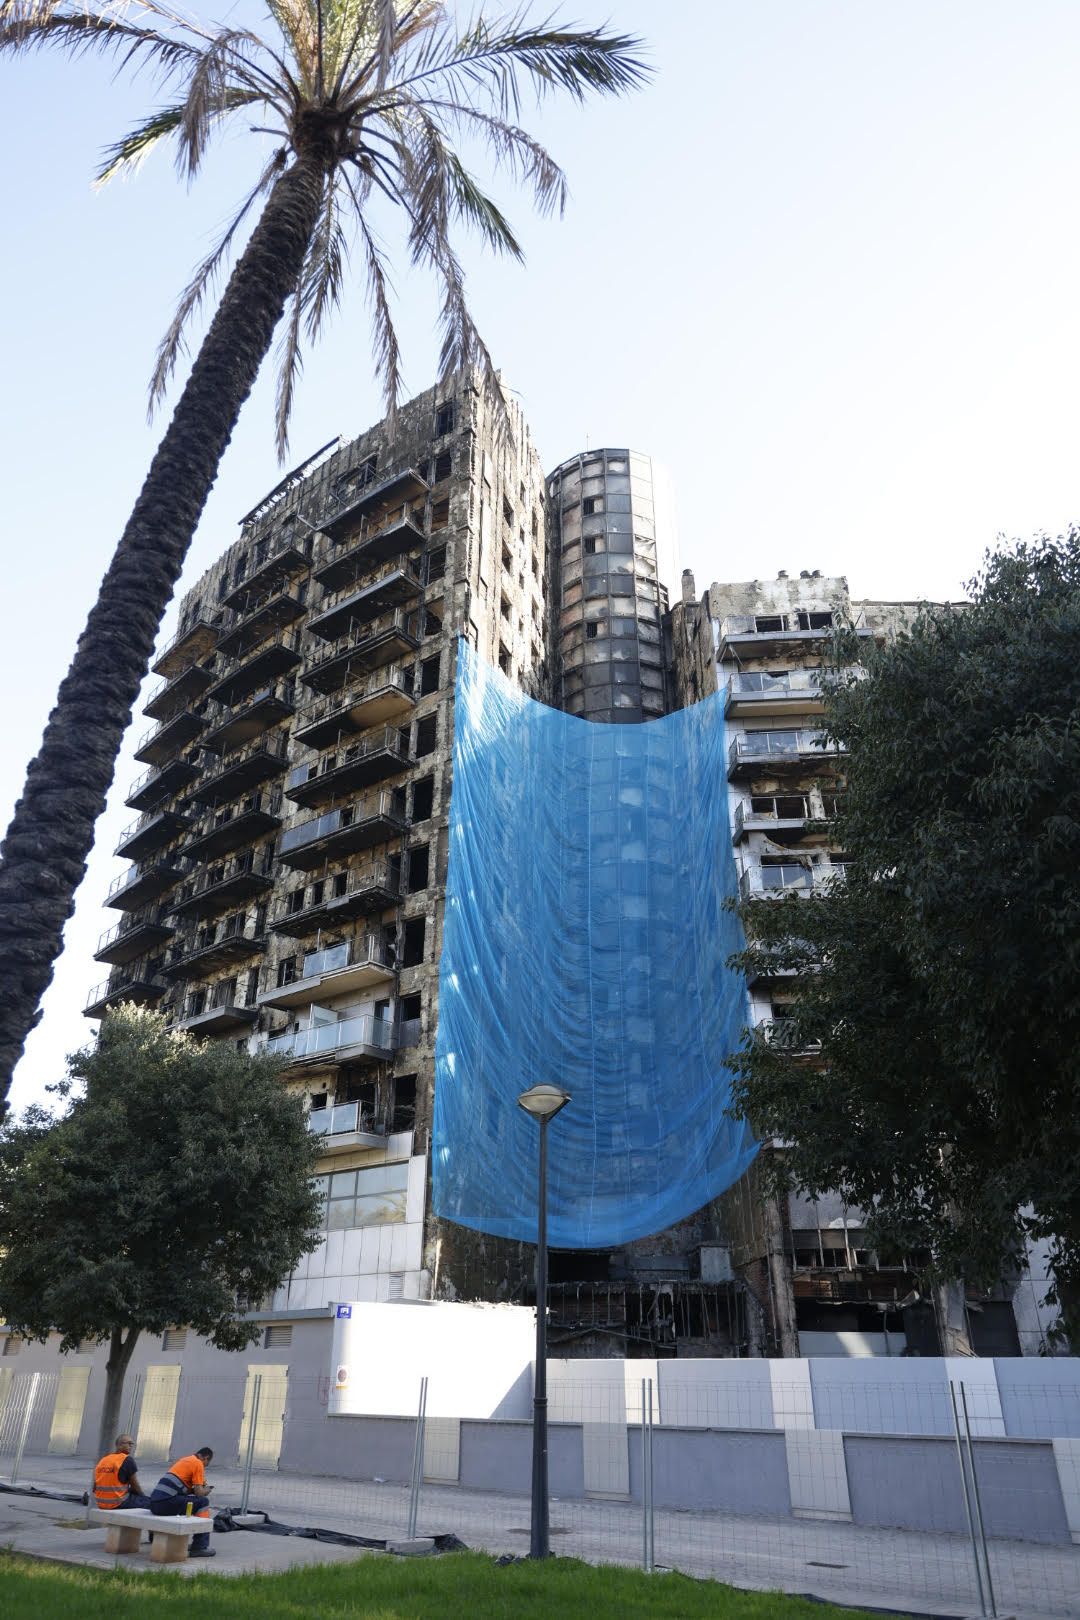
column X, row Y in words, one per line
column 429, row 676
column 404, row 1114
column 440, row 467
column 508, row 512
column 413, row 953
column 445, row 417
column 423, row 798
column 436, row 564
column 592, row 504
column 432, row 623
column 418, row 868
column 814, row 621
column 440, row 515
column 425, row 736
column 504, row 659
column 769, row 621
column 286, row 971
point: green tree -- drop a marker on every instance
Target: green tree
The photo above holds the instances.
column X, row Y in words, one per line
column 933, row 1070
column 178, row 1183
column 369, row 100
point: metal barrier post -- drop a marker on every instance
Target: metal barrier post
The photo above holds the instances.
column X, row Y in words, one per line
column 978, row 1502
column 652, row 1503
column 249, row 1459
column 133, row 1406
column 967, row 1499
column 31, row 1399
column 417, row 1462
column 644, row 1484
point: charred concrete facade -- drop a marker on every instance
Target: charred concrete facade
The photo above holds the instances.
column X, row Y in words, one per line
column 290, row 852
column 816, row 1284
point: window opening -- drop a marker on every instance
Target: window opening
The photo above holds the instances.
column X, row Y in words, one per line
column 423, row 798
column 418, row 868
column 413, row 953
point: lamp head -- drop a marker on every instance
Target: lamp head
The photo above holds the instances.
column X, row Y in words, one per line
column 543, row 1102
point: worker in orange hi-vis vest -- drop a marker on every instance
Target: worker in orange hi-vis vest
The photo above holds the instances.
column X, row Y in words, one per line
column 116, row 1477
column 185, row 1483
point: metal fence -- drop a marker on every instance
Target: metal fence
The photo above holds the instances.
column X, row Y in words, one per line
column 889, row 1494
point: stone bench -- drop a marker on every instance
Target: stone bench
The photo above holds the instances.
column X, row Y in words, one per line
column 172, row 1532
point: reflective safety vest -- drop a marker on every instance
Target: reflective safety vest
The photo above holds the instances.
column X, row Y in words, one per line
column 109, row 1489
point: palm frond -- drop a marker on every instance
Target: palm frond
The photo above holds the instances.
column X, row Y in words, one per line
column 125, row 156
column 26, row 24
column 513, row 150
column 324, row 268
column 482, row 62
column 383, row 331
column 210, row 94
column 290, row 363
column 172, row 344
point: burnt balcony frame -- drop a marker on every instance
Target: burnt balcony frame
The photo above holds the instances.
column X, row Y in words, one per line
column 261, row 669
column 244, row 877
column 233, row 774
column 178, row 693
column 401, row 487
column 376, row 819
column 161, row 782
column 146, row 881
column 231, row 945
column 150, row 832
column 250, row 717
column 395, row 538
column 170, row 738
column 369, row 760
column 143, row 931
column 380, row 697
column 134, row 983
column 285, row 559
column 393, row 588
column 195, row 641
column 383, row 644
column 366, row 894
column 219, row 834
column 253, row 624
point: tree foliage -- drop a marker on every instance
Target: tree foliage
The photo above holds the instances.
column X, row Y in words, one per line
column 177, row 1184
column 934, row 1078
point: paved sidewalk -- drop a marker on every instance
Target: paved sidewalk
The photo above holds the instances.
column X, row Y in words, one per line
column 904, row 1570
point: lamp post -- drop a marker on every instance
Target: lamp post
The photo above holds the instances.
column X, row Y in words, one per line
column 543, row 1103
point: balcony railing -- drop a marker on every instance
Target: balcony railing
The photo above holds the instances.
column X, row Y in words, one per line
column 372, row 890
column 366, row 494
column 230, row 774
column 789, row 877
column 132, row 935
column 252, row 715
column 797, row 683
column 345, row 1117
column 767, row 811
column 259, row 617
column 136, row 981
column 372, row 646
column 353, row 766
column 346, row 710
column 371, row 948
column 360, row 603
column 326, row 1040
column 386, row 805
column 257, row 668
column 786, row 1036
column 780, row 745
column 233, row 936
column 192, row 641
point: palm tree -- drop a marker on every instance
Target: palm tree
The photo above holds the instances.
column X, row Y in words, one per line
column 366, row 100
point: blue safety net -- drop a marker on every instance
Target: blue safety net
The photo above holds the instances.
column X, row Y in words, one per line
column 585, row 944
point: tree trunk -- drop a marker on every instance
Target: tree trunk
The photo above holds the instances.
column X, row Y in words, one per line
column 43, row 857
column 116, row 1367
column 952, row 1323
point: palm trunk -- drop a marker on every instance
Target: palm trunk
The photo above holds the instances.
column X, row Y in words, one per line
column 116, row 1367
column 43, row 857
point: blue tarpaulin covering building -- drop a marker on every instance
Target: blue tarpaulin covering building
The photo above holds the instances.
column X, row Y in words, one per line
column 585, row 944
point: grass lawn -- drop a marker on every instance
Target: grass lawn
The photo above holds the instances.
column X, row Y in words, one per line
column 458, row 1586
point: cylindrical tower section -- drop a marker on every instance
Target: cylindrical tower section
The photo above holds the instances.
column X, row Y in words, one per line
column 613, row 546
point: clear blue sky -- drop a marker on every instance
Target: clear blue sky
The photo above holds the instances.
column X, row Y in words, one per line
column 825, row 269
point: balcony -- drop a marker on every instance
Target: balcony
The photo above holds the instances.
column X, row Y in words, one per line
column 140, row 884
column 375, row 757
column 238, row 772
column 399, row 535
column 374, row 819
column 213, row 890
column 195, row 641
column 757, row 753
column 784, row 817
column 784, row 1035
column 261, row 669
column 273, row 561
column 214, row 946
column 768, row 635
column 136, row 982
column 788, row 877
column 351, row 1038
column 161, row 782
column 395, row 637
column 358, row 607
column 175, row 694
column 133, row 936
column 753, row 692
column 385, row 695
column 356, row 964
column 392, row 492
column 362, row 894
column 260, row 617
column 150, row 832
column 345, row 1127
column 250, row 717
column 170, row 738
column 221, row 833
column 216, row 1019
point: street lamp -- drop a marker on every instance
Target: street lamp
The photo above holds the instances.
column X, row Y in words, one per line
column 543, row 1103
